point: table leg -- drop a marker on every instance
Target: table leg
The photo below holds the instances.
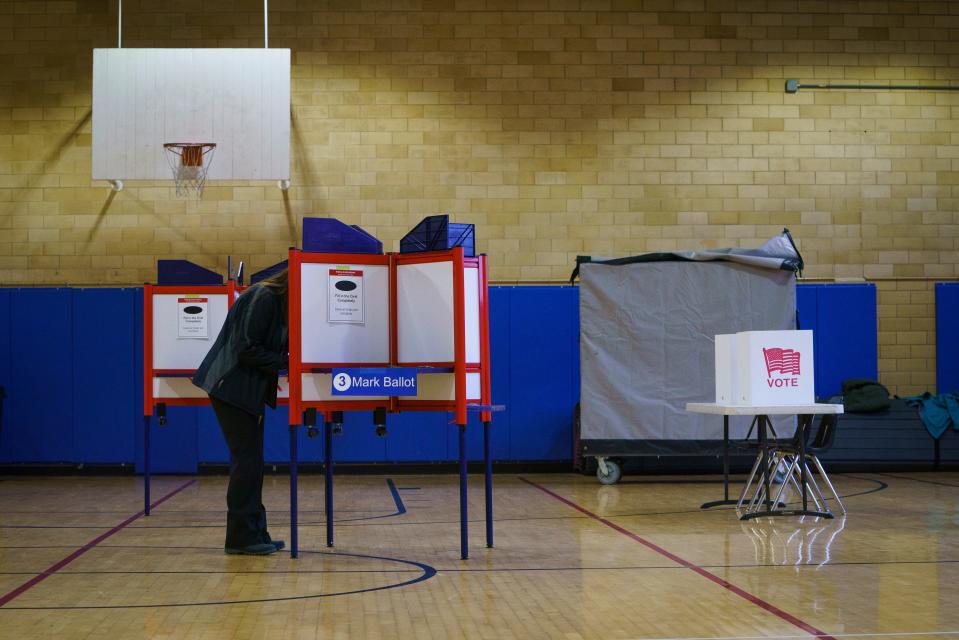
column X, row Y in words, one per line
column 725, row 500
column 767, row 481
column 803, row 430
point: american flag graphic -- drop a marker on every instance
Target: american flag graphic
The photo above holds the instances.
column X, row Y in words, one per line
column 781, row 360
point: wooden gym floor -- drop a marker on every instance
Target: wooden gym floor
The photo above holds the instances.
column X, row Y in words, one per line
column 572, row 560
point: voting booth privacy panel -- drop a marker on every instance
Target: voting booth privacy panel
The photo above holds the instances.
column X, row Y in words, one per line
column 181, row 322
column 427, row 312
column 647, row 348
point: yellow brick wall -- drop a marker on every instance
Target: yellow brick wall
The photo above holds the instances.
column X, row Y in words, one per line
column 559, row 127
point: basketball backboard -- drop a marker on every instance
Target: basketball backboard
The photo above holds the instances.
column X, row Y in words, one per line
column 238, row 99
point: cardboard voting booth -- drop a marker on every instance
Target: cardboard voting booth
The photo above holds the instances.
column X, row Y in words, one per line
column 765, row 368
column 774, row 368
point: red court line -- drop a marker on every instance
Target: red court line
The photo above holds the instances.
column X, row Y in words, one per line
column 759, row 602
column 40, row 577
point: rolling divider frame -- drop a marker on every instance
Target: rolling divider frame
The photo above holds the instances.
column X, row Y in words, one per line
column 150, row 401
column 298, row 368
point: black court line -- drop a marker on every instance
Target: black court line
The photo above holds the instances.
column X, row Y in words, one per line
column 92, row 544
column 939, row 484
column 397, row 503
column 427, row 572
column 725, row 584
column 401, row 509
column 814, row 565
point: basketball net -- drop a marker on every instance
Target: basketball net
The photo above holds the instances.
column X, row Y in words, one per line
column 189, row 162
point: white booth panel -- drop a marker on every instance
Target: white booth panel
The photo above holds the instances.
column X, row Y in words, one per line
column 424, row 312
column 471, row 291
column 319, row 387
column 341, row 342
column 176, row 388
column 442, row 387
column 171, row 352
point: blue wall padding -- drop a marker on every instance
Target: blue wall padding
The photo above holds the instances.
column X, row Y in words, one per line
column 38, row 413
column 6, row 366
column 74, row 382
column 947, row 338
column 104, row 340
column 543, row 361
column 843, row 320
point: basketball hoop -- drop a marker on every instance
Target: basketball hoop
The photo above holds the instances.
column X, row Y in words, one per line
column 189, row 161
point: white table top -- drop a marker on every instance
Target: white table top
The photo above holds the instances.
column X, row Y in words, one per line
column 768, row 410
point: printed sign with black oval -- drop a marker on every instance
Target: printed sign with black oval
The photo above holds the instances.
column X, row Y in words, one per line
column 345, row 285
column 193, row 309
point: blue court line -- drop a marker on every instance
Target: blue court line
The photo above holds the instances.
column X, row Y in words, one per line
column 400, row 507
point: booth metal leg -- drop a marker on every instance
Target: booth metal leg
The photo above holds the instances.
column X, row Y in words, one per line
column 146, row 464
column 294, row 546
column 328, row 470
column 488, row 464
column 725, row 500
column 464, row 522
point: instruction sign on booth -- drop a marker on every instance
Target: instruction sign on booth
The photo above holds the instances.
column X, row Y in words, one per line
column 346, row 303
column 193, row 318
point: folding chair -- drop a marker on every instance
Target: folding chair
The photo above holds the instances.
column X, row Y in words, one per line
column 825, row 436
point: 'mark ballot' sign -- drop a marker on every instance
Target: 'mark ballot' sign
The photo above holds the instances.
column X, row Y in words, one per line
column 374, row 382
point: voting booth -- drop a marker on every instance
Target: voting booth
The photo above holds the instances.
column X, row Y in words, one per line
column 182, row 316
column 765, row 368
column 387, row 333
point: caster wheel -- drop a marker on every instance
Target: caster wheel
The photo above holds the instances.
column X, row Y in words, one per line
column 613, row 473
column 337, row 429
column 312, row 432
column 381, row 431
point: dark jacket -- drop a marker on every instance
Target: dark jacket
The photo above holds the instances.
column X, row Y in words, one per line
column 242, row 366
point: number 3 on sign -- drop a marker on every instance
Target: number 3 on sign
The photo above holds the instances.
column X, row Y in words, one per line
column 342, row 382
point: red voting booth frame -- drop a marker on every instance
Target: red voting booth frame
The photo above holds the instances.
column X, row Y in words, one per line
column 151, row 403
column 300, row 409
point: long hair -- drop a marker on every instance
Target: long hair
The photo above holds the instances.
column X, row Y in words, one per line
column 278, row 282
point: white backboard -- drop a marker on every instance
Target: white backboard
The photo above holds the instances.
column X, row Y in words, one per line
column 238, row 99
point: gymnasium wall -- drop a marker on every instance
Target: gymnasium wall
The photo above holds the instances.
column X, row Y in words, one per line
column 560, row 127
